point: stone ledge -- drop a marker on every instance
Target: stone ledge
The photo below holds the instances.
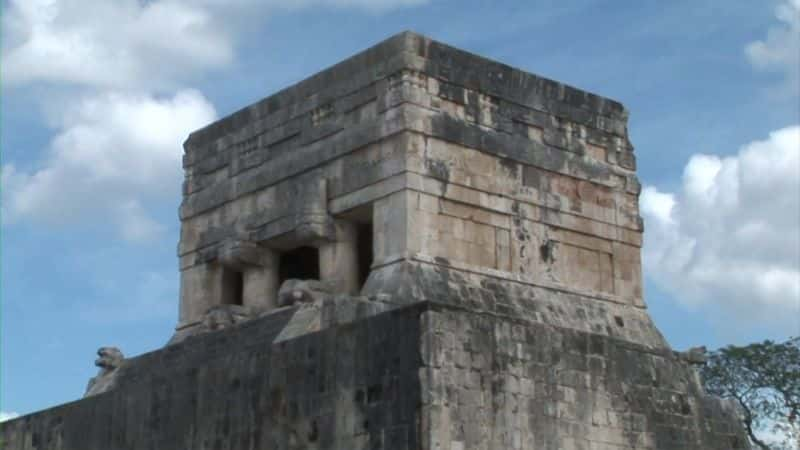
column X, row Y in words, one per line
column 413, row 278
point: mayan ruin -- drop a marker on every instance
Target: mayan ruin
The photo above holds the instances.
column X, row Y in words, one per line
column 417, row 248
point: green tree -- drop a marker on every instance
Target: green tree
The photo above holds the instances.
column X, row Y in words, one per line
column 764, row 379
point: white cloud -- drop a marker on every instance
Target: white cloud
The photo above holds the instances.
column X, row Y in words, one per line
column 134, row 223
column 132, row 43
column 123, row 43
column 7, row 415
column 780, row 50
column 112, row 151
column 731, row 237
column 369, row 5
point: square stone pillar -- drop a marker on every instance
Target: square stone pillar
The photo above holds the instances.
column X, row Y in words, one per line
column 338, row 258
column 201, row 288
column 204, row 285
column 394, row 217
column 261, row 283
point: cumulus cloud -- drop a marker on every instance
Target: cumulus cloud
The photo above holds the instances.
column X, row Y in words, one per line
column 369, row 5
column 102, row 43
column 780, row 49
column 731, row 236
column 132, row 43
column 7, row 415
column 111, row 151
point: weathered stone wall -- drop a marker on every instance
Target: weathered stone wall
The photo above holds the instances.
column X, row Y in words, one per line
column 351, row 386
column 428, row 280
column 521, row 175
column 429, row 376
column 455, row 160
column 279, row 174
column 503, row 209
column 498, row 383
column 272, row 211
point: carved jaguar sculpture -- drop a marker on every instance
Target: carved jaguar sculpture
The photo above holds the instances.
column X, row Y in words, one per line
column 294, row 291
column 109, row 360
column 696, row 356
column 224, row 316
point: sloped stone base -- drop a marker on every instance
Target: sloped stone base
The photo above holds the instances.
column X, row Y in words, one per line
column 425, row 376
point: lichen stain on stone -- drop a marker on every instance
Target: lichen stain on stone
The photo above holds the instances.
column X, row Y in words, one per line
column 518, row 214
column 509, row 166
column 440, row 170
column 547, row 251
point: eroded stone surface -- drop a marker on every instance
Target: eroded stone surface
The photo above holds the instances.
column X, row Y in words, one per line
column 425, row 376
column 418, row 248
column 442, row 154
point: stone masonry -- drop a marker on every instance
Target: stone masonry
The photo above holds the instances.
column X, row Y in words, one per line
column 417, row 248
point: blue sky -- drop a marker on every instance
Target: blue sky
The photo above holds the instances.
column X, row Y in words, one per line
column 97, row 97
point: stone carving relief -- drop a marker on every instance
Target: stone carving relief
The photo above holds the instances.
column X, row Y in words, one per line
column 221, row 317
column 294, row 291
column 696, row 356
column 110, row 360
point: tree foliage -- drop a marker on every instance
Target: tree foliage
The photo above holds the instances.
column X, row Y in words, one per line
column 764, row 380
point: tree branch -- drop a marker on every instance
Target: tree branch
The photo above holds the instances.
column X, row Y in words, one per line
column 748, row 425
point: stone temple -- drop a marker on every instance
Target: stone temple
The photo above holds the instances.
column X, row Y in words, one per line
column 417, row 248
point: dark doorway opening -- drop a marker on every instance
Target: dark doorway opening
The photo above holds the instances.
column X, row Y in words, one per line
column 232, row 287
column 300, row 263
column 364, row 233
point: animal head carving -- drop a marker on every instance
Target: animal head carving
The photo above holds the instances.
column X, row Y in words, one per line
column 294, row 291
column 218, row 318
column 109, row 358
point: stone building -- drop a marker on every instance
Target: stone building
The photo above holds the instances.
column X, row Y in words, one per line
column 417, row 248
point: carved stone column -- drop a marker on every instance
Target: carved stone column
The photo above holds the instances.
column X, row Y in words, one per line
column 338, row 258
column 259, row 268
column 261, row 283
